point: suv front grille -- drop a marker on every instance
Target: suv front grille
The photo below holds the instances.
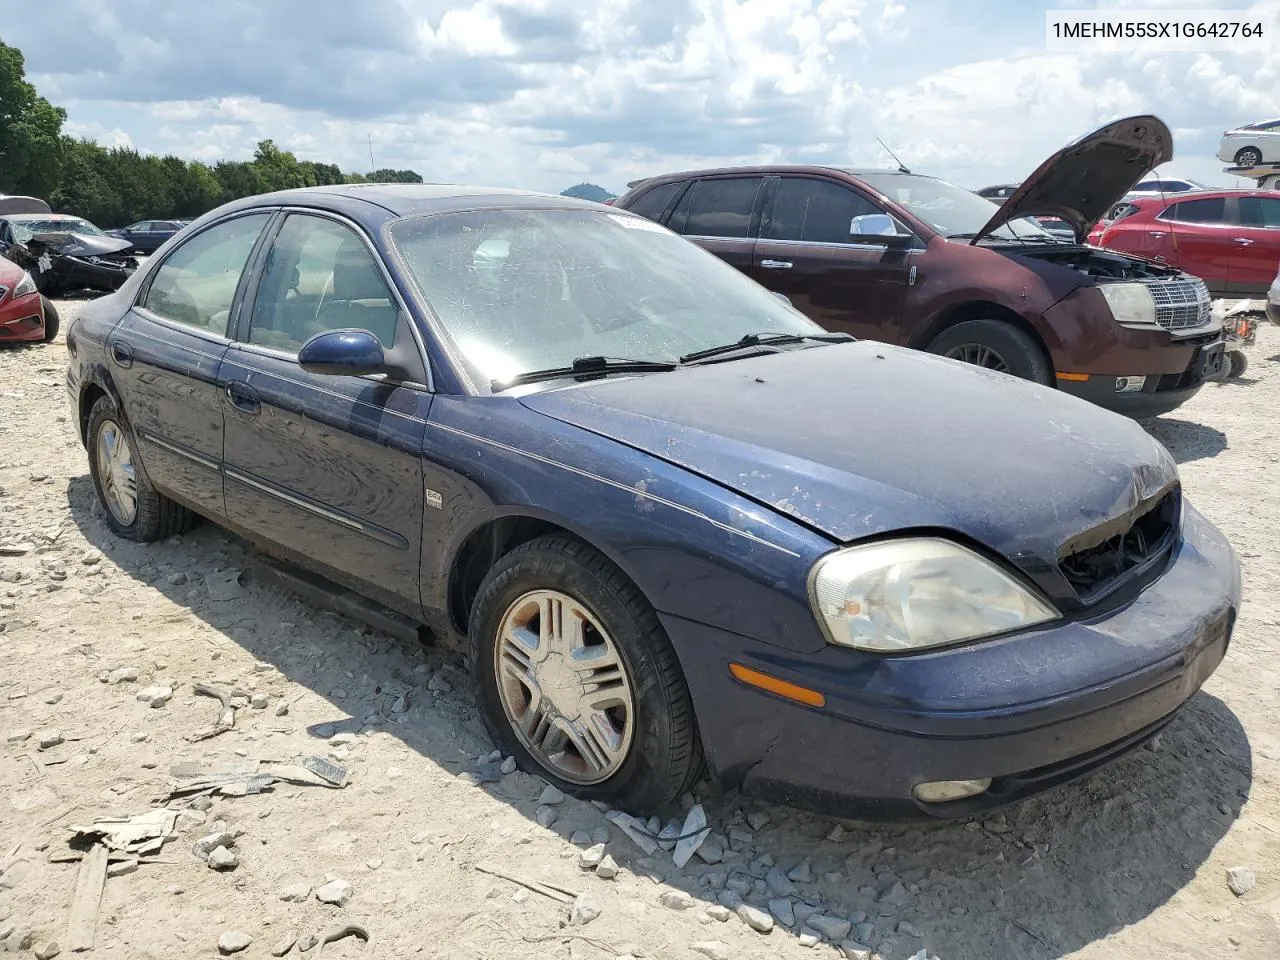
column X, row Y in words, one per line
column 1181, row 304
column 1094, row 570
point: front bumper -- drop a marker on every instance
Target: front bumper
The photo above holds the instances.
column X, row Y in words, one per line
column 1162, row 393
column 22, row 321
column 1029, row 711
column 73, row 273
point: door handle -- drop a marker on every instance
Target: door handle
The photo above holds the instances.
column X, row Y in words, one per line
column 1243, row 241
column 1157, row 233
column 243, row 397
column 776, row 264
column 121, row 353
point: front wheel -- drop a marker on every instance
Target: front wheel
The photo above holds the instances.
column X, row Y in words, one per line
column 1248, row 157
column 578, row 680
column 995, row 345
column 1239, row 364
column 51, row 319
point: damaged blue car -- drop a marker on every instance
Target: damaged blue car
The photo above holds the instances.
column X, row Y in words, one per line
column 674, row 524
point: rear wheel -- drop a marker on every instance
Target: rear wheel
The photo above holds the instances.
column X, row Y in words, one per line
column 995, row 345
column 1248, row 157
column 51, row 319
column 1239, row 364
column 578, row 680
column 135, row 510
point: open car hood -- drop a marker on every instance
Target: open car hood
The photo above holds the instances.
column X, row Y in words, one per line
column 81, row 245
column 1084, row 179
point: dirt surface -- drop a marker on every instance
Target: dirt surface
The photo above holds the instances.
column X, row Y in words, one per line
column 1130, row 862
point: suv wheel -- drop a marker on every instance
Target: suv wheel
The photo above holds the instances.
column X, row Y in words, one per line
column 995, row 345
column 577, row 679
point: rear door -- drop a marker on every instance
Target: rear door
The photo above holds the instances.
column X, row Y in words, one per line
column 1202, row 239
column 327, row 467
column 1257, row 245
column 804, row 251
column 721, row 214
column 165, row 354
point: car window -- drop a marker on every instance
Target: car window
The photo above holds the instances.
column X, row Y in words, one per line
column 320, row 276
column 654, row 203
column 197, row 282
column 1260, row 211
column 815, row 211
column 1146, row 185
column 1207, row 210
column 721, row 207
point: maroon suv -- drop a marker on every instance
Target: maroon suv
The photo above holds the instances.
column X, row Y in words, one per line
column 917, row 261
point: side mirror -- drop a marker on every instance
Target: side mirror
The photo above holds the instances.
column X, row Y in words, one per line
column 782, row 296
column 350, row 353
column 877, row 229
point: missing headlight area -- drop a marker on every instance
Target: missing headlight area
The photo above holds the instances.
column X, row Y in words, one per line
column 1095, row 569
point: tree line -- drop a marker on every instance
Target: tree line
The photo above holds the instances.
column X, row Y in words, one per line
column 117, row 186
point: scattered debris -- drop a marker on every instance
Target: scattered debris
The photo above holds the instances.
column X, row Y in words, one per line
column 51, row 739
column 592, row 857
column 676, row 900
column 608, row 869
column 551, row 795
column 336, row 892
column 633, row 828
column 508, row 766
column 284, row 944
column 545, row 816
column 123, row 675
column 142, row 834
column 692, row 835
column 88, row 897
column 296, row 892
column 333, row 934
column 156, row 696
column 221, row 858
column 585, row 909
column 546, row 888
column 718, row 911
column 233, row 941
column 830, row 928
column 259, row 701
column 1241, row 880
column 46, row 950
column 307, row 941
column 122, row 868
column 329, row 772
column 226, row 719
column 755, row 918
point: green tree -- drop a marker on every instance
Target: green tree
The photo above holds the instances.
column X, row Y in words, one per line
column 588, row 191
column 388, row 175
column 30, row 131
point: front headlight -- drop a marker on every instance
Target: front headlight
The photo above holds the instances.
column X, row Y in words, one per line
column 1130, row 304
column 904, row 595
column 25, row 286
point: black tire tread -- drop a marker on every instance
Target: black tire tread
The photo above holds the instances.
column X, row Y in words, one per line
column 1003, row 336
column 684, row 758
column 158, row 517
column 52, row 321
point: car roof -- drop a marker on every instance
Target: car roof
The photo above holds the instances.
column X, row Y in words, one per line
column 414, row 199
column 774, row 169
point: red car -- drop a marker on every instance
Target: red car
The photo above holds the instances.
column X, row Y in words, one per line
column 25, row 316
column 1228, row 238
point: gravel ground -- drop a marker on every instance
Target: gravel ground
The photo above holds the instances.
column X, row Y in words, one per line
column 1130, row 862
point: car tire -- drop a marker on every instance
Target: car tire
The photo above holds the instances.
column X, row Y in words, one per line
column 995, row 345
column 648, row 752
column 1239, row 363
column 154, row 516
column 1248, row 157
column 51, row 320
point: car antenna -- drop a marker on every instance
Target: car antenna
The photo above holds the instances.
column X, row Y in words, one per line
column 901, row 168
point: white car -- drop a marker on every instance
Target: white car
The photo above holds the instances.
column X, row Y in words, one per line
column 1251, row 145
column 1156, row 185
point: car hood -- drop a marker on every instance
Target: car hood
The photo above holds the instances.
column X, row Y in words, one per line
column 81, row 244
column 860, row 439
column 1084, row 179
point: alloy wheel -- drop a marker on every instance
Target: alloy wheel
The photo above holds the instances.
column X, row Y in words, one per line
column 116, row 473
column 979, row 355
column 564, row 687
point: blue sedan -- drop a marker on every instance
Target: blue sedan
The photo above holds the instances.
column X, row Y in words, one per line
column 673, row 524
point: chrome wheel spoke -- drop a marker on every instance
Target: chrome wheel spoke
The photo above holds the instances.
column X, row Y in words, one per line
column 564, row 687
column 116, row 473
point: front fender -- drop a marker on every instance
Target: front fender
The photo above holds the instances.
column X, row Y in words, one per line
column 695, row 549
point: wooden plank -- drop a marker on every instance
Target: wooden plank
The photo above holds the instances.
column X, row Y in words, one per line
column 84, row 908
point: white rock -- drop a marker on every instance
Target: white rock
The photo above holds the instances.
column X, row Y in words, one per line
column 545, row 816
column 551, row 794
column 259, row 701
column 296, row 893
column 50, row 739
column 676, row 900
column 19, row 736
column 343, row 739
column 831, row 928
column 608, row 869
column 1241, row 880
column 694, row 831
column 156, row 696
column 47, row 950
column 508, row 766
column 808, row 940
column 852, row 950
column 123, row 675
column 205, row 846
column 585, row 909
column 590, row 858
column 233, row 941
column 755, row 918
column 220, row 858
column 801, row 873
column 337, row 892
column 714, row 949
column 284, row 944
column 718, row 911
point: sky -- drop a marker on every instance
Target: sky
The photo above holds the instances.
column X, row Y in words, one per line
column 542, row 94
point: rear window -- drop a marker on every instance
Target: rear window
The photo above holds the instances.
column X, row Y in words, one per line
column 1207, row 210
column 719, row 208
column 1260, row 211
column 653, row 203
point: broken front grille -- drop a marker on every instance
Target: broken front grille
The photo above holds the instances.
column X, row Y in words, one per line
column 1181, row 304
column 1094, row 570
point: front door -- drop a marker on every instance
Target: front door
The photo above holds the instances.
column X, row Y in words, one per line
column 804, row 252
column 164, row 357
column 327, row 467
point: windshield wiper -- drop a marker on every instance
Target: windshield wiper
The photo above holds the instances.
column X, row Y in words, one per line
column 585, row 368
column 760, row 340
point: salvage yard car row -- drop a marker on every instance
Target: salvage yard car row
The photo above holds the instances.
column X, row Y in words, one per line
column 676, row 524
